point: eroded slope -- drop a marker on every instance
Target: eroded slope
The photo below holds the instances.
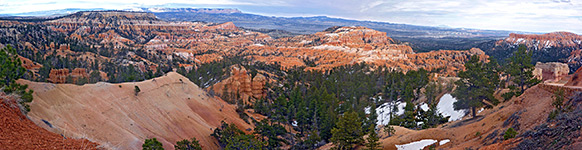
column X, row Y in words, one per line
column 169, row 108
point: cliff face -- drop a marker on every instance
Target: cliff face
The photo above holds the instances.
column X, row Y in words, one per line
column 551, row 47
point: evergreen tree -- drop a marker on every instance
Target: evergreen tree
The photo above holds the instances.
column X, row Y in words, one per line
column 389, row 129
column 194, row 144
column 348, row 131
column 520, row 68
column 152, row 144
column 477, row 83
column 372, row 140
column 11, row 70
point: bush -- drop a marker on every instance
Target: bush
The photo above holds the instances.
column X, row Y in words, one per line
column 188, row 145
column 553, row 114
column 510, row 133
column 152, row 144
column 136, row 90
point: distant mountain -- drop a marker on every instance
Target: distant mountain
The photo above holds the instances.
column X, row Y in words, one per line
column 421, row 38
column 309, row 25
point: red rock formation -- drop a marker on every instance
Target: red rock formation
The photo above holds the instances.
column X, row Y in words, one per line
column 58, row 75
column 29, row 64
column 61, row 75
column 258, row 86
column 539, row 41
column 239, row 83
column 17, row 132
column 550, row 70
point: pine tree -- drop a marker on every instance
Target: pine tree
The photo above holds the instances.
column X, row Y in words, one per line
column 152, row 144
column 348, row 131
column 372, row 140
column 11, row 70
column 477, row 83
column 520, row 68
column 194, row 144
column 389, row 129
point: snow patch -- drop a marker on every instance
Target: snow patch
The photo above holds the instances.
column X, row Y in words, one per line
column 416, row 145
column 445, row 141
column 480, row 110
column 445, row 107
column 384, row 112
column 424, row 107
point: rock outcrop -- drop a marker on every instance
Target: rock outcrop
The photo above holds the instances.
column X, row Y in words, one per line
column 258, row 86
column 61, row 75
column 58, row 75
column 541, row 41
column 550, row 71
column 240, row 85
column 550, row 47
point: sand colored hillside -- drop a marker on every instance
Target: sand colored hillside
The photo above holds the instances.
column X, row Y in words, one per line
column 525, row 111
column 17, row 132
column 169, row 108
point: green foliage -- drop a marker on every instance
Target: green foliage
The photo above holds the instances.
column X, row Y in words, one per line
column 348, row 131
column 193, row 144
column 430, row 118
column 553, row 114
column 389, row 129
column 230, row 137
column 11, row 70
column 81, row 81
column 509, row 133
column 559, row 97
column 520, row 68
column 244, row 142
column 477, row 83
column 136, row 90
column 152, row 144
column 372, row 140
column 270, row 133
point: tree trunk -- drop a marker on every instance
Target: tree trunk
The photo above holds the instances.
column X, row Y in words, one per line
column 473, row 110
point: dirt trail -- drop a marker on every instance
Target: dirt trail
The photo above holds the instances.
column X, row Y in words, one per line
column 169, row 108
column 527, row 111
column 17, row 132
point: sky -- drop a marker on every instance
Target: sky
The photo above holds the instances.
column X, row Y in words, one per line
column 518, row 15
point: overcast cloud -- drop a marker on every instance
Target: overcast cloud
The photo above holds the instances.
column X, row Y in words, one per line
column 522, row 15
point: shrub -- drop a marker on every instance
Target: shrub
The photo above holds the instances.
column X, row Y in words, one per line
column 188, row 145
column 152, row 144
column 136, row 90
column 510, row 133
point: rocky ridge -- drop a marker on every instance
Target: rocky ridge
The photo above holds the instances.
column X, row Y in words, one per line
column 550, row 47
column 86, row 36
